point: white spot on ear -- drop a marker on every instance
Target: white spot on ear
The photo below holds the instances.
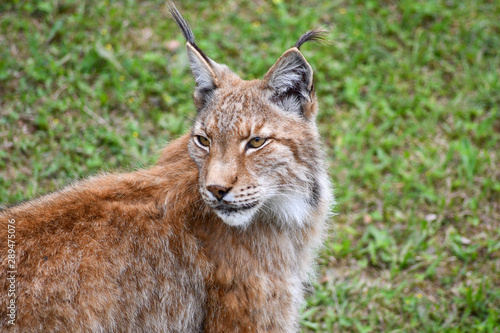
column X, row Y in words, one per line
column 290, row 103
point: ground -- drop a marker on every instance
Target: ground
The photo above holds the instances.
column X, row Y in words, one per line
column 409, row 113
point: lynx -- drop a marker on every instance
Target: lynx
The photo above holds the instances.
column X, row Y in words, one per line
column 218, row 236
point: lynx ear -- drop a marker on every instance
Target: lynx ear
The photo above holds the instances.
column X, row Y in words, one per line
column 204, row 69
column 290, row 79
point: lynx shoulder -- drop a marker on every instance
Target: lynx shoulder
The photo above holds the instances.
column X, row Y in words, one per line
column 218, row 236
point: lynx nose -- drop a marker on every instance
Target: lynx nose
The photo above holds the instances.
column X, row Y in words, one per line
column 218, row 191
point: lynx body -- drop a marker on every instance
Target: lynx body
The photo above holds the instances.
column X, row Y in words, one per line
column 218, row 236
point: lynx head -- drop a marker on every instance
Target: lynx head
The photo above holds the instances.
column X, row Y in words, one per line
column 255, row 142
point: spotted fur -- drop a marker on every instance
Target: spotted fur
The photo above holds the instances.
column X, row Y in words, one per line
column 218, row 236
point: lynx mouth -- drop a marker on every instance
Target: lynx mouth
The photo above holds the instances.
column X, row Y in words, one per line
column 226, row 209
column 240, row 216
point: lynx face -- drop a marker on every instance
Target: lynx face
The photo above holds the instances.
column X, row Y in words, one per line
column 253, row 156
column 255, row 142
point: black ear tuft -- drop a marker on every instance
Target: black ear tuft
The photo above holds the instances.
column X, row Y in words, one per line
column 185, row 28
column 181, row 22
column 203, row 68
column 316, row 35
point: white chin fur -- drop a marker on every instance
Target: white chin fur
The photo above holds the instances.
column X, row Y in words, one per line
column 290, row 211
column 237, row 219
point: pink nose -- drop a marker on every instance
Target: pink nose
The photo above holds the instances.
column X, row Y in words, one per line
column 218, row 191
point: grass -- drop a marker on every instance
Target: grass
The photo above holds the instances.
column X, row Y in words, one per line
column 409, row 98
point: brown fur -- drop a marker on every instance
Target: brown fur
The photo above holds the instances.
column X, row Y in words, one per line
column 148, row 251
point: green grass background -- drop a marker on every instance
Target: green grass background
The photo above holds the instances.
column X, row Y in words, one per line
column 409, row 95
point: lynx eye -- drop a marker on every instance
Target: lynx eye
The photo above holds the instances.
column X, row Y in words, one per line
column 204, row 142
column 256, row 142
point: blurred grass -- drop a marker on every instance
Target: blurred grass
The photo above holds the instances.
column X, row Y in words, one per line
column 409, row 95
